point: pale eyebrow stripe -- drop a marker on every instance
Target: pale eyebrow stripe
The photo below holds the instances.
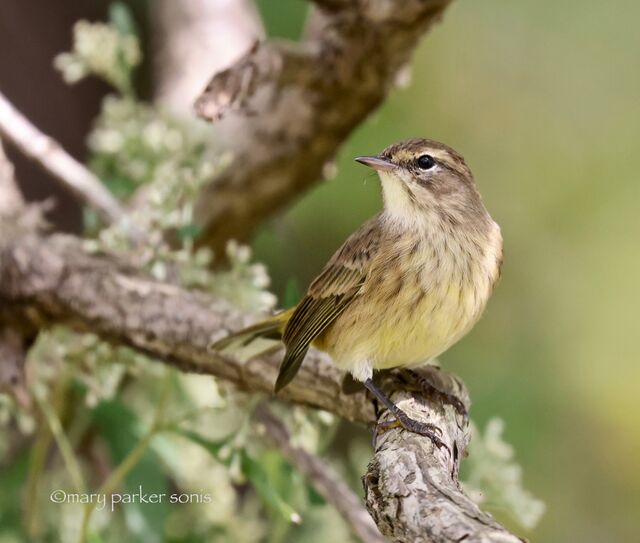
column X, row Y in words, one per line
column 442, row 155
column 448, row 161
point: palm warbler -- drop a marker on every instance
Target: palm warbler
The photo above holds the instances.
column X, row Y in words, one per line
column 404, row 287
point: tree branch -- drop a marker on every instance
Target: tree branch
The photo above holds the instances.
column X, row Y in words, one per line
column 193, row 38
column 12, row 343
column 411, row 486
column 287, row 107
column 52, row 157
column 53, row 280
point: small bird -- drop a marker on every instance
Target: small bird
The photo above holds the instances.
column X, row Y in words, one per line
column 407, row 285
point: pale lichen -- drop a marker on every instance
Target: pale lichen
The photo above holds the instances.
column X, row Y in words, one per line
column 494, row 478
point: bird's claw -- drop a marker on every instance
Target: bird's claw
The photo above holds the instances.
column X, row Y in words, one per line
column 430, row 388
column 411, row 425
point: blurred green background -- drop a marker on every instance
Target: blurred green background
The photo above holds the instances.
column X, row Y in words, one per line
column 543, row 100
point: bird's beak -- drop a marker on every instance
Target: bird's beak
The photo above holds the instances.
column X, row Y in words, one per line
column 377, row 163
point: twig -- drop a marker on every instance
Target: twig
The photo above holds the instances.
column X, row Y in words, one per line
column 326, row 482
column 12, row 360
column 68, row 456
column 17, row 129
column 132, row 458
column 38, row 457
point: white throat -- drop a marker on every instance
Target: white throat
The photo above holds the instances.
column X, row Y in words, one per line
column 398, row 206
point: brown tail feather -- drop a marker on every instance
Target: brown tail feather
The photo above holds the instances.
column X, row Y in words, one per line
column 269, row 329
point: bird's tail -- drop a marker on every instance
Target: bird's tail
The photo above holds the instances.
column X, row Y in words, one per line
column 260, row 338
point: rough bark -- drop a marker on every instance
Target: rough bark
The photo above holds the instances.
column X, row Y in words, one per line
column 18, row 221
column 411, row 486
column 288, row 107
column 53, row 280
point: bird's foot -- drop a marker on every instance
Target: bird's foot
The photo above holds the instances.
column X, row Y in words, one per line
column 402, row 420
column 430, row 389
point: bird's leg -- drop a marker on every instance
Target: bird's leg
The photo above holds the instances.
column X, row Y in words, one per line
column 429, row 388
column 402, row 419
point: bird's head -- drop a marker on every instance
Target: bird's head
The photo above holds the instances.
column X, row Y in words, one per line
column 422, row 177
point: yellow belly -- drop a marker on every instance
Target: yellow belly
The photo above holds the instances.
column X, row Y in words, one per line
column 406, row 331
column 413, row 306
column 407, row 316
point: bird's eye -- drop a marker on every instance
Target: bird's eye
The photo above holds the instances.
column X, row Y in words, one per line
column 426, row 162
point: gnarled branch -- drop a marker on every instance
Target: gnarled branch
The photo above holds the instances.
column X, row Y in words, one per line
column 193, row 38
column 287, row 107
column 411, row 486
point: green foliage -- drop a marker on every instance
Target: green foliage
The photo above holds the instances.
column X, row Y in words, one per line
column 277, row 25
column 292, row 293
column 244, row 283
column 266, row 484
column 98, row 367
column 120, row 429
column 122, row 20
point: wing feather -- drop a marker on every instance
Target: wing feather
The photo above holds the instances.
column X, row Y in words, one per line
column 329, row 295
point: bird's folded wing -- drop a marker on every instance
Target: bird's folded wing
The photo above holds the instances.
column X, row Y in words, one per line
column 328, row 296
